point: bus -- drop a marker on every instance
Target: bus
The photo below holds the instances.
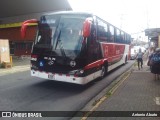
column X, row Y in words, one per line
column 76, row 47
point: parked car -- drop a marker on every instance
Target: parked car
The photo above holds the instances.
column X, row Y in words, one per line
column 133, row 54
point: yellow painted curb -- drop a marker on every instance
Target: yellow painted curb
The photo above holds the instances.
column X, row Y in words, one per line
column 110, row 92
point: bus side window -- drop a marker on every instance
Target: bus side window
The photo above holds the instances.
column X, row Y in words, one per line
column 128, row 39
column 118, row 38
column 122, row 37
column 111, row 34
column 102, row 31
column 125, row 38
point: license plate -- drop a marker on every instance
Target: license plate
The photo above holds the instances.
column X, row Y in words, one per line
column 51, row 76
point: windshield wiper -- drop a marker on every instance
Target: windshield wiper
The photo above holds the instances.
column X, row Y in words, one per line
column 59, row 42
column 61, row 48
column 58, row 38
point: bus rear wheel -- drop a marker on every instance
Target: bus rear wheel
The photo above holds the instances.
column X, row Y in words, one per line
column 125, row 60
column 103, row 71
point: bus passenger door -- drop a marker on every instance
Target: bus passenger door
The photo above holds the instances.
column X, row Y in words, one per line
column 119, row 51
column 107, row 51
column 94, row 53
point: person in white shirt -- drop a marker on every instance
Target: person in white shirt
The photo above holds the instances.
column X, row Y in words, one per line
column 140, row 58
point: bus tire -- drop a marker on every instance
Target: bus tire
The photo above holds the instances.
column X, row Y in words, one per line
column 103, row 71
column 125, row 60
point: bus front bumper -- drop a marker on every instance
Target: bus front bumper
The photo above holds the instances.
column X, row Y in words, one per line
column 64, row 77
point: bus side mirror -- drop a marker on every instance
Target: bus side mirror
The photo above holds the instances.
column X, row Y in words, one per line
column 87, row 27
column 25, row 24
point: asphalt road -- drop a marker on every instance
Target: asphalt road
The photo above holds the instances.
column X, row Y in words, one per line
column 21, row 92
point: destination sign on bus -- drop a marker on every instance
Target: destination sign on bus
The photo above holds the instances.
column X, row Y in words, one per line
column 48, row 21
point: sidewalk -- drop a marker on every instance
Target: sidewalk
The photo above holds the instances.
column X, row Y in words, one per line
column 19, row 65
column 137, row 95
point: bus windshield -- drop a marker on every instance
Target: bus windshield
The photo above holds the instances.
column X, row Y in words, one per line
column 62, row 32
column 46, row 31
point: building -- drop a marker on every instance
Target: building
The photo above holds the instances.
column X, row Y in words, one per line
column 13, row 13
column 154, row 36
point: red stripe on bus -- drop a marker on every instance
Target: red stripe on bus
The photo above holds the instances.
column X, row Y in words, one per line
column 94, row 64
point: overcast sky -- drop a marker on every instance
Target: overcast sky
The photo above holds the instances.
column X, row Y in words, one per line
column 130, row 15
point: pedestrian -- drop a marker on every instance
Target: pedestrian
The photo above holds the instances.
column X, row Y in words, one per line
column 140, row 58
column 150, row 51
column 155, row 63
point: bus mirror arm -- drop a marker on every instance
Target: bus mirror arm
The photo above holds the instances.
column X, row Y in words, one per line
column 25, row 24
column 87, row 27
column 23, row 30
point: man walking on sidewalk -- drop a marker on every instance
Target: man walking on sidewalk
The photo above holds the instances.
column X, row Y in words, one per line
column 140, row 58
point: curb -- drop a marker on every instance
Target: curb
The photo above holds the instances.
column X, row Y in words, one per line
column 108, row 92
column 14, row 69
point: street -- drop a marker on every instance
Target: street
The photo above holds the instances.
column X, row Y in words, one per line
column 21, row 92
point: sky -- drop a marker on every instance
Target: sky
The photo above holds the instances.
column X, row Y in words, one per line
column 132, row 16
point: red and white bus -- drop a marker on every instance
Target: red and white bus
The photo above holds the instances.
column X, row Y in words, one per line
column 76, row 47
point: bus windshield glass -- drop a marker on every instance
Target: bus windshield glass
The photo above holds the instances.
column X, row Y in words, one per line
column 61, row 32
column 46, row 30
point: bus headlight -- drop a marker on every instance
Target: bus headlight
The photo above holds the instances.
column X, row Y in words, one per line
column 79, row 72
column 34, row 67
column 72, row 72
column 76, row 72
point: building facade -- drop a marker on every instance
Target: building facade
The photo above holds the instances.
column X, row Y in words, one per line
column 154, row 36
column 10, row 23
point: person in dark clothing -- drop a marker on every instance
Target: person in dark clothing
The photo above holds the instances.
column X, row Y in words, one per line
column 155, row 61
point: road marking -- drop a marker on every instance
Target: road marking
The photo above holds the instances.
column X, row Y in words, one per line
column 157, row 100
